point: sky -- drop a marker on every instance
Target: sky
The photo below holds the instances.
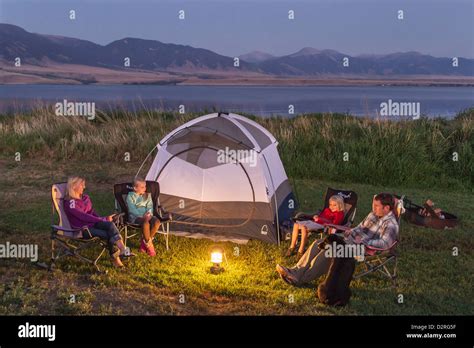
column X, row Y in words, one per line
column 442, row 28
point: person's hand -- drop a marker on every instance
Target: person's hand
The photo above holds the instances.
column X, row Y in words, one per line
column 347, row 233
column 315, row 217
column 110, row 218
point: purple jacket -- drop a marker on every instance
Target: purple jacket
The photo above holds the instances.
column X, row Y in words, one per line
column 80, row 212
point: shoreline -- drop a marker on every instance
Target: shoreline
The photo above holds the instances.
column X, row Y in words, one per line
column 26, row 107
column 86, row 75
column 231, row 83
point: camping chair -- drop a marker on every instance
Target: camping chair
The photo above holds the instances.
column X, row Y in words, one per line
column 384, row 260
column 350, row 208
column 152, row 187
column 67, row 241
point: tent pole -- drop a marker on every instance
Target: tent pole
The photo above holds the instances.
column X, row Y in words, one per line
column 276, row 200
column 146, row 158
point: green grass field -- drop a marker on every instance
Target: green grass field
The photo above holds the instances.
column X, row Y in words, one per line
column 431, row 279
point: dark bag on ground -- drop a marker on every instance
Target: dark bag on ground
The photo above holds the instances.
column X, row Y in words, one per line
column 334, row 290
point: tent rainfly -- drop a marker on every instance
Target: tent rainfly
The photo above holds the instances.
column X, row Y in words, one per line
column 221, row 174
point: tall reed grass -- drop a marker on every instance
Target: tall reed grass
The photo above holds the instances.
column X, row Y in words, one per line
column 383, row 152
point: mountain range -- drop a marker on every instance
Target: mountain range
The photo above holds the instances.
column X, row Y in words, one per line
column 155, row 56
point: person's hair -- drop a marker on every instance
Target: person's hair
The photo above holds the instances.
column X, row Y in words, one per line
column 385, row 199
column 339, row 201
column 139, row 180
column 71, row 183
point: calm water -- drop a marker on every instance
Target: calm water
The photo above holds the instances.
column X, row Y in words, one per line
column 264, row 101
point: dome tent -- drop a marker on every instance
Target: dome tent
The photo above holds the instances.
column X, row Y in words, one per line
column 221, row 174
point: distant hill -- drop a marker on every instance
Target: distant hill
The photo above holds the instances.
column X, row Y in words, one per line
column 256, row 57
column 310, row 61
column 152, row 55
column 40, row 49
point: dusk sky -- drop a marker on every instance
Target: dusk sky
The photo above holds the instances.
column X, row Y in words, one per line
column 229, row 27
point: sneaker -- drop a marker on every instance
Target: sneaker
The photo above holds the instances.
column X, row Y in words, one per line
column 143, row 247
column 285, row 275
column 151, row 249
column 127, row 253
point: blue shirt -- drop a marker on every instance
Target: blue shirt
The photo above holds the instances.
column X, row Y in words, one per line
column 138, row 205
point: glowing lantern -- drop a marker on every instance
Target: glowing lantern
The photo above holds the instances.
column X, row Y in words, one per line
column 217, row 255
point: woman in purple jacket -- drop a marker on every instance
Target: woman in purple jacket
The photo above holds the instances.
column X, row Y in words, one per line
column 78, row 208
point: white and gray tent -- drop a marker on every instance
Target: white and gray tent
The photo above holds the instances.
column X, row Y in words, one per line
column 221, row 174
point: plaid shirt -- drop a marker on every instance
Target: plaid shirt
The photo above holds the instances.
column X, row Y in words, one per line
column 376, row 232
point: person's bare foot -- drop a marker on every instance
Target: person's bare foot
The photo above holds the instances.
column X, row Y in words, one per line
column 117, row 262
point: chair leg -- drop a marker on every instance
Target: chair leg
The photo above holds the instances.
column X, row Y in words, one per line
column 378, row 265
column 53, row 260
column 60, row 248
column 96, row 260
column 166, row 231
column 394, row 275
column 387, row 271
column 126, row 236
column 382, row 268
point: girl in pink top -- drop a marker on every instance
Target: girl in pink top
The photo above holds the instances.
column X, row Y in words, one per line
column 334, row 214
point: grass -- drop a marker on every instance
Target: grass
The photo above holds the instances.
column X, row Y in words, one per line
column 431, row 279
column 406, row 153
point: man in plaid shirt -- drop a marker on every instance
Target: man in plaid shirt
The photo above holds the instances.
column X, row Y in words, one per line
column 379, row 230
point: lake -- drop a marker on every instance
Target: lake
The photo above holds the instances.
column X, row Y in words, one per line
column 258, row 100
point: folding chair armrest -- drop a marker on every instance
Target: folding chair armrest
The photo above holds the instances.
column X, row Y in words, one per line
column 129, row 224
column 162, row 214
column 339, row 227
column 368, row 247
column 73, row 230
column 59, row 228
column 118, row 218
column 160, row 209
column 305, row 216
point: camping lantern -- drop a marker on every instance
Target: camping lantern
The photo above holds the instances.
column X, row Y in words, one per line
column 217, row 255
